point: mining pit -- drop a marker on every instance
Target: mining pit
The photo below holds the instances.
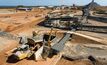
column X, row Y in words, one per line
column 82, row 48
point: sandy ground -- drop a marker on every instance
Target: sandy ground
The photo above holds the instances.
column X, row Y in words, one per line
column 8, row 46
column 77, row 62
column 93, row 34
column 23, row 24
column 18, row 24
column 12, row 21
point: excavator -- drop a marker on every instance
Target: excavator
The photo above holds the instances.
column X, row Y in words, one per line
column 39, row 50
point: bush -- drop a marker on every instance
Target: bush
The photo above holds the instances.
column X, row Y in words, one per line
column 101, row 12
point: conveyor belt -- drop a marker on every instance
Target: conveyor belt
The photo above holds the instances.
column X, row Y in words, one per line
column 60, row 45
column 93, row 28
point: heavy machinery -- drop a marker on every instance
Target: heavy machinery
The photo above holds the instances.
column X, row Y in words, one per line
column 41, row 49
column 28, row 47
column 21, row 52
column 86, row 11
column 26, row 50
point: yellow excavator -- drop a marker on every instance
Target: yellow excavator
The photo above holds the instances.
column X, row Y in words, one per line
column 31, row 48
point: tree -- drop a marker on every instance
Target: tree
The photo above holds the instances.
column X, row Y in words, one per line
column 19, row 6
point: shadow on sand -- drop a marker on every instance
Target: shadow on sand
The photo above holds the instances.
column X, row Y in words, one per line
column 12, row 59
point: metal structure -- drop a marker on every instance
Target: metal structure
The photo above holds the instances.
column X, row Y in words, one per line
column 60, row 45
column 40, row 47
column 61, row 22
column 86, row 11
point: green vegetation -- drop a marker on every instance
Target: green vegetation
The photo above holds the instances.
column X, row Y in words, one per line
column 101, row 12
